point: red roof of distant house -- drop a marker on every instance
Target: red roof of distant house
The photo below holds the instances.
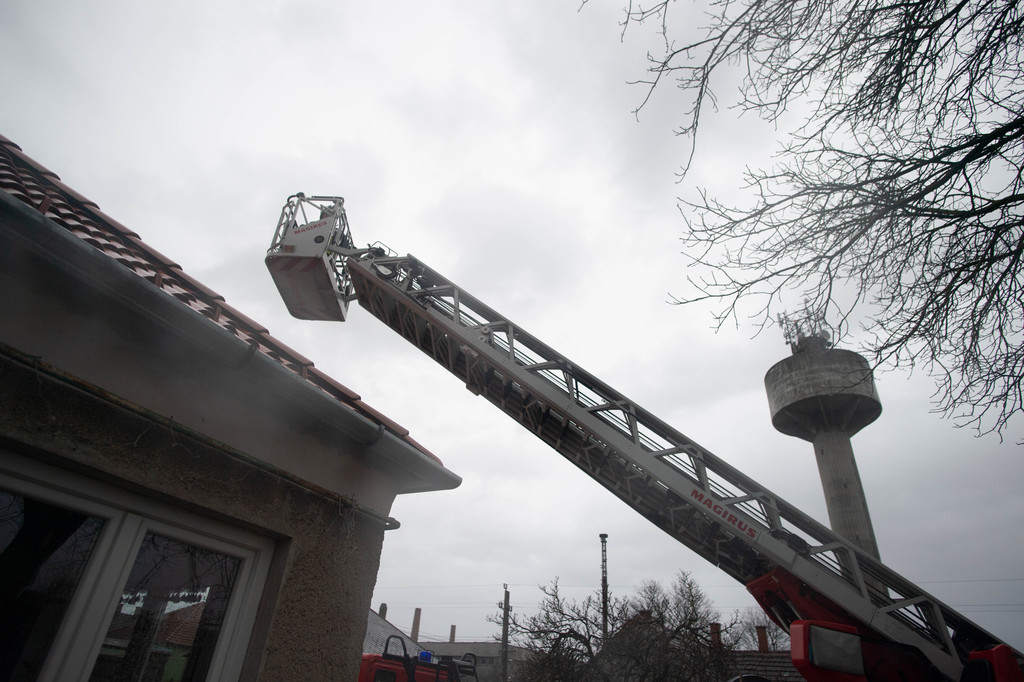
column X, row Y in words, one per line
column 772, row 665
column 180, row 626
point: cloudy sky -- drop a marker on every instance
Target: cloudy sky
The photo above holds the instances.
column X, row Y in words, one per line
column 497, row 143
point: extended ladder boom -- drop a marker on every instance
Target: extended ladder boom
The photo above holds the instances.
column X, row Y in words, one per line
column 681, row 487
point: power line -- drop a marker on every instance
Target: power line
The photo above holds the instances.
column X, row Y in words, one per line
column 498, row 586
column 435, row 587
column 975, row 580
column 629, row 587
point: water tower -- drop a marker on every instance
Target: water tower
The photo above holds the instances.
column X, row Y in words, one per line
column 825, row 395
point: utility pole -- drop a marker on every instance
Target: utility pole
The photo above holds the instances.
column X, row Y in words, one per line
column 505, row 608
column 604, row 588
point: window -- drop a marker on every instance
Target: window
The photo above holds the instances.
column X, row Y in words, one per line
column 166, row 625
column 43, row 552
column 101, row 585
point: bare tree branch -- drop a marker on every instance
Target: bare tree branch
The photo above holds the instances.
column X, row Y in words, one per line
column 899, row 196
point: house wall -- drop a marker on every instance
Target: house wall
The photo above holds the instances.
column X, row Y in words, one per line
column 136, row 405
column 324, row 555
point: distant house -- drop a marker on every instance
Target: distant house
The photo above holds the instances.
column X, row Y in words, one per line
column 168, row 652
column 774, row 666
column 643, row 649
column 182, row 496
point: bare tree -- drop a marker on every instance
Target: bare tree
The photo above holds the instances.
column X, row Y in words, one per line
column 563, row 637
column 898, row 198
column 672, row 635
column 752, row 618
column 658, row 634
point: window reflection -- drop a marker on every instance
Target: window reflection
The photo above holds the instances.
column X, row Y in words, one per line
column 170, row 614
column 43, row 551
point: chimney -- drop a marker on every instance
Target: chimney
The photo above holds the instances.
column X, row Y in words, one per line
column 762, row 638
column 716, row 635
column 451, row 637
column 383, row 611
column 415, row 634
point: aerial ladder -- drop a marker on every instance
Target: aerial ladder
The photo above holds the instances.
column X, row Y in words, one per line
column 849, row 616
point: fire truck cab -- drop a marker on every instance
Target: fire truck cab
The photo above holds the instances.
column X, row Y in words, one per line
column 401, row 667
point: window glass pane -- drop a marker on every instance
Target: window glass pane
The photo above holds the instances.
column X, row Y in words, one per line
column 170, row 614
column 43, row 551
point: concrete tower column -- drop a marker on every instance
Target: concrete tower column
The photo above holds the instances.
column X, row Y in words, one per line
column 844, row 495
column 825, row 395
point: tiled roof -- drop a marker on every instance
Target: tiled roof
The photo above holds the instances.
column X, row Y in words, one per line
column 377, row 632
column 177, row 627
column 38, row 187
column 772, row 665
column 180, row 626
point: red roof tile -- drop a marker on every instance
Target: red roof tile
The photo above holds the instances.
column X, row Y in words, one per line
column 179, row 626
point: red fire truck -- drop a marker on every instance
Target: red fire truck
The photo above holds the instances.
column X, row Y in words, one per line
column 403, row 667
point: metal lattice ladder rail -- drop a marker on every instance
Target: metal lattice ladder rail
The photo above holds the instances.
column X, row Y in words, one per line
column 681, row 487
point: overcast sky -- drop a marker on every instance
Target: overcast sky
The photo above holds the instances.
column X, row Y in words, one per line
column 496, row 142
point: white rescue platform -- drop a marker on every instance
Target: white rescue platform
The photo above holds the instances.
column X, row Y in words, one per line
column 310, row 279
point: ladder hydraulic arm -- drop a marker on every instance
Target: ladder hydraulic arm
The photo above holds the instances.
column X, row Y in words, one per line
column 797, row 569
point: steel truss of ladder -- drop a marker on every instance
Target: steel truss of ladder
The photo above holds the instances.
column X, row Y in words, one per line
column 709, row 506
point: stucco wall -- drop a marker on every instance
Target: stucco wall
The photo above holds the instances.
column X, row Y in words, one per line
column 312, row 614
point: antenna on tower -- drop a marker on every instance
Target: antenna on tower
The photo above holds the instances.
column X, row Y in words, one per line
column 806, row 331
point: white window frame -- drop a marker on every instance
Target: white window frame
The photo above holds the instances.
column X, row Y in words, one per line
column 128, row 517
